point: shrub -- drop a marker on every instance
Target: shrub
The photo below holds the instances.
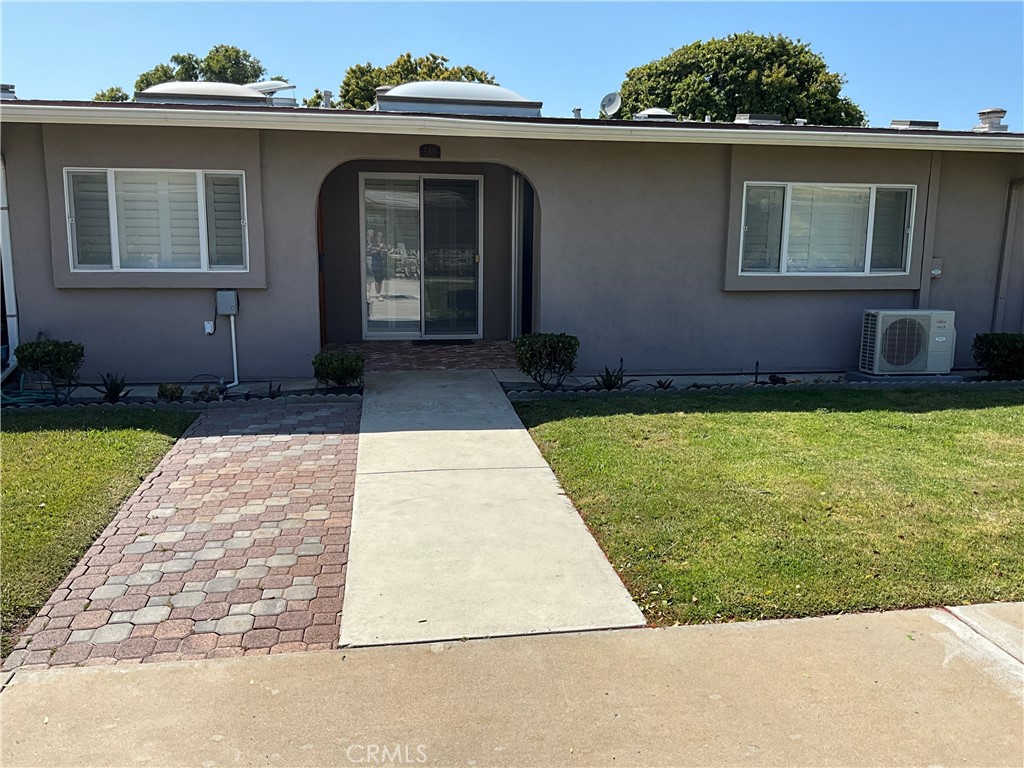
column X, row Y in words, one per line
column 1001, row 354
column 58, row 361
column 611, row 380
column 208, row 394
column 663, row 384
column 547, row 358
column 113, row 387
column 172, row 393
column 338, row 368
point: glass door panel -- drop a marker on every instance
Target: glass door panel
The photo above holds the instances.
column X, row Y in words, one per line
column 391, row 256
column 451, row 257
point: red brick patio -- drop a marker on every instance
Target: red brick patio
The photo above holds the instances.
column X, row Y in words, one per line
column 235, row 544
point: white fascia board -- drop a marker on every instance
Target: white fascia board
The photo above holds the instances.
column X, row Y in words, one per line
column 406, row 124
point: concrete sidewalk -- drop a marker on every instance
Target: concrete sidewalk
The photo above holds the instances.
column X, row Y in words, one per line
column 459, row 528
column 902, row 688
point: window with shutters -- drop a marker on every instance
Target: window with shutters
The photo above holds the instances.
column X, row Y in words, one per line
column 826, row 229
column 156, row 220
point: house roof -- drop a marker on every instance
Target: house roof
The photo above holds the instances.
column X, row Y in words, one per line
column 491, row 126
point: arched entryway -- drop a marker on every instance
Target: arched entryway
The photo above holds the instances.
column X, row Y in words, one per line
column 426, row 251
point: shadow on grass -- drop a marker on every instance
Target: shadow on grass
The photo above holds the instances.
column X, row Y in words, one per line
column 169, row 423
column 780, row 400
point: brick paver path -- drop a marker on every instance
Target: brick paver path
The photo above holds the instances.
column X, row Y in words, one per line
column 235, row 544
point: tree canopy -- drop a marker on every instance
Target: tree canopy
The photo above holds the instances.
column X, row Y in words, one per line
column 742, row 73
column 222, row 64
column 112, row 94
column 358, row 88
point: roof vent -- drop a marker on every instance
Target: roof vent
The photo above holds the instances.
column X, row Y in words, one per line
column 273, row 89
column 915, row 125
column 748, row 119
column 991, row 121
column 256, row 94
column 654, row 113
column 444, row 97
column 7, row 92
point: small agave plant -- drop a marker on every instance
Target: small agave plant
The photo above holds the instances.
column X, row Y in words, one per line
column 113, row 387
column 613, row 379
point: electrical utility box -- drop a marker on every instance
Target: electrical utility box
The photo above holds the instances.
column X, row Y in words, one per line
column 227, row 302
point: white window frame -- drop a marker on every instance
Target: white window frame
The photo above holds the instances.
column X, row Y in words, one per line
column 115, row 251
column 784, row 255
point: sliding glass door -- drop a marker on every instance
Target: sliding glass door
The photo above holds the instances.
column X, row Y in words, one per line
column 451, row 257
column 391, row 239
column 422, row 256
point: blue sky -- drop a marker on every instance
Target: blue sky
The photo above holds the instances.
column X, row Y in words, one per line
column 920, row 60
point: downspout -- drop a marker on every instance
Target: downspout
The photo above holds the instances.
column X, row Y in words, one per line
column 1003, row 278
column 10, row 299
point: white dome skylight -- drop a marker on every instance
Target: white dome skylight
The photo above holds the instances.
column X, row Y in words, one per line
column 255, row 94
column 218, row 90
column 455, row 98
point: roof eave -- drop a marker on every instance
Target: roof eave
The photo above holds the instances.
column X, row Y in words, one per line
column 441, row 126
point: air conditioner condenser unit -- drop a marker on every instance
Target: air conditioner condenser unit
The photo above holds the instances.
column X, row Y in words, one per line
column 907, row 341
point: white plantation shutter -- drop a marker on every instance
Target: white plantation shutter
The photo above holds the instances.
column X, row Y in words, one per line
column 828, row 228
column 157, row 220
column 225, row 217
column 90, row 220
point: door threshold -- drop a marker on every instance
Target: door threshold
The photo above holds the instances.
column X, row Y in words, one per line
column 442, row 342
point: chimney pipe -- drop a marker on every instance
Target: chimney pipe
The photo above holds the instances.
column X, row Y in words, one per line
column 991, row 121
column 326, row 103
column 577, row 112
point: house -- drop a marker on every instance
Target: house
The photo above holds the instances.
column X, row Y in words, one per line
column 455, row 211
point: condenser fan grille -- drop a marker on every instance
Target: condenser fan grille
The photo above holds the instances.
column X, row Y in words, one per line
column 903, row 341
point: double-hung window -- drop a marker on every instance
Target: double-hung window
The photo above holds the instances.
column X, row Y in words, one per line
column 826, row 229
column 156, row 220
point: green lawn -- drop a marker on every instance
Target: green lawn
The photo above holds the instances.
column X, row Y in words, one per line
column 64, row 475
column 748, row 504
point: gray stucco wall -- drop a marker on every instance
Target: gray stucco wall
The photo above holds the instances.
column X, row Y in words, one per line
column 633, row 247
column 968, row 239
column 151, row 333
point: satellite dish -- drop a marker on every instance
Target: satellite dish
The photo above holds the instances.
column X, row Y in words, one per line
column 611, row 104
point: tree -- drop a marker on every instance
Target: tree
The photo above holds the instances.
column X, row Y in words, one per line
column 228, row 64
column 222, row 64
column 358, row 88
column 112, row 94
column 742, row 73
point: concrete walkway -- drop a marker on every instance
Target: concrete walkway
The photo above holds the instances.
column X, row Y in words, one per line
column 459, row 528
column 902, row 688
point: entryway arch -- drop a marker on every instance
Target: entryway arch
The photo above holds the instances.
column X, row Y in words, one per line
column 453, row 246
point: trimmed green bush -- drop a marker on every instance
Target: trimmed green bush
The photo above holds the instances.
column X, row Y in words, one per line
column 547, row 358
column 1001, row 354
column 338, row 369
column 58, row 361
